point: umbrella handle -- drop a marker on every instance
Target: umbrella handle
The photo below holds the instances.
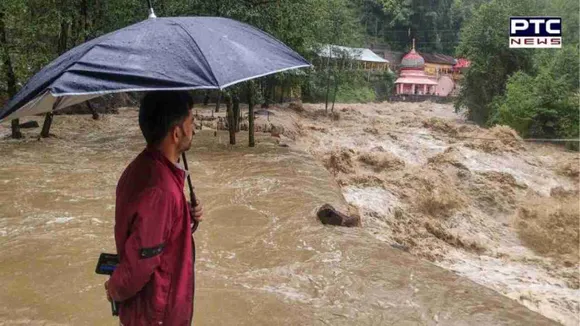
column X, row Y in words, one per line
column 191, row 192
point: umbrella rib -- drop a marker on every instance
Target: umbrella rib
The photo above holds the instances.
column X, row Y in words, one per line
column 143, row 89
column 200, row 51
column 262, row 75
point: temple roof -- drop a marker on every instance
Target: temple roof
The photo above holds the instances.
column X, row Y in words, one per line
column 438, row 58
column 358, row 54
column 462, row 63
column 415, row 80
column 413, row 60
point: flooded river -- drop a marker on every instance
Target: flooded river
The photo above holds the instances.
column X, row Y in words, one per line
column 263, row 257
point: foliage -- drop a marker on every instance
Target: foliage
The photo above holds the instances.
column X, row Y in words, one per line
column 353, row 87
column 544, row 105
column 569, row 10
column 535, row 91
column 349, row 93
column 383, row 84
column 38, row 30
column 484, row 42
column 434, row 24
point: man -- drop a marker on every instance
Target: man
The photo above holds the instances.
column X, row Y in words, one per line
column 154, row 281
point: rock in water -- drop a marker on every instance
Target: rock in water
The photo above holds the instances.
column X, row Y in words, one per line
column 29, row 125
column 328, row 215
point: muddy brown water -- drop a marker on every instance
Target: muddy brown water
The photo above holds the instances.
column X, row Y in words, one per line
column 263, row 258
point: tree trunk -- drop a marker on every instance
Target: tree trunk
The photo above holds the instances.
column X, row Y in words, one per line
column 288, row 92
column 62, row 46
column 84, row 15
column 335, row 91
column 75, row 32
column 230, row 118
column 16, row 133
column 236, row 113
column 97, row 17
column 46, row 126
column 63, row 39
column 93, row 111
column 252, row 143
column 282, row 89
column 327, row 84
column 267, row 93
column 8, row 73
column 206, row 98
column 273, row 90
column 217, row 103
column 239, row 120
column 263, row 91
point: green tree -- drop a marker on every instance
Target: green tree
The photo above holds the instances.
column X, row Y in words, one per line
column 484, row 41
column 535, row 91
column 569, row 10
column 434, row 24
column 544, row 105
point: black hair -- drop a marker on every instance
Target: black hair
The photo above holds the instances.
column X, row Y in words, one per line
column 160, row 111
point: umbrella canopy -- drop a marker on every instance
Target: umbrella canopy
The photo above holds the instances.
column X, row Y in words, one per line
column 179, row 53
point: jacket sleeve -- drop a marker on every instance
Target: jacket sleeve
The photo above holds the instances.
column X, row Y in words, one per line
column 144, row 246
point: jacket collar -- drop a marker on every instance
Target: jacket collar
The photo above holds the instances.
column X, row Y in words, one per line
column 176, row 170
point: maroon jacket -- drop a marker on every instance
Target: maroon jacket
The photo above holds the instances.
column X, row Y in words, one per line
column 155, row 277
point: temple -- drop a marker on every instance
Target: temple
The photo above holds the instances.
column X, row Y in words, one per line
column 412, row 78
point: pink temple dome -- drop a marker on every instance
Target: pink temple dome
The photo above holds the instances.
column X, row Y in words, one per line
column 413, row 60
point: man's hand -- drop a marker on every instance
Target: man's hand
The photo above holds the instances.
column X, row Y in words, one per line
column 197, row 213
column 111, row 294
column 107, row 291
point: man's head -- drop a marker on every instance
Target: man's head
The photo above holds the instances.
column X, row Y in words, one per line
column 165, row 119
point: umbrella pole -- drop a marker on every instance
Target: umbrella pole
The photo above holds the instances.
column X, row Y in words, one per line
column 191, row 193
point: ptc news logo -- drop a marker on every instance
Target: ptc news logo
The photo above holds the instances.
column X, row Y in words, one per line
column 535, row 32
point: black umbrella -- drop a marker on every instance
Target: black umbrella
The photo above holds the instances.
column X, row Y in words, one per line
column 179, row 53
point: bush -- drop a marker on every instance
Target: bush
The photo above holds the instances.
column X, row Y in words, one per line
column 353, row 87
column 545, row 104
column 383, row 84
column 355, row 94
